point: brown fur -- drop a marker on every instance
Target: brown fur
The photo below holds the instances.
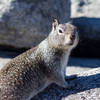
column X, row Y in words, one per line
column 31, row 72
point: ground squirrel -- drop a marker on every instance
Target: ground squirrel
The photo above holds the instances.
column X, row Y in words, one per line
column 29, row 73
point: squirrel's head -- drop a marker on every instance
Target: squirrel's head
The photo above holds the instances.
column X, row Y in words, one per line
column 63, row 35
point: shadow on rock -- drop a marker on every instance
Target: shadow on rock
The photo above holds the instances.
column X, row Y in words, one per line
column 84, row 62
column 89, row 33
column 54, row 92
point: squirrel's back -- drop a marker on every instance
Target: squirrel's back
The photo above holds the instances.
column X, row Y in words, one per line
column 21, row 76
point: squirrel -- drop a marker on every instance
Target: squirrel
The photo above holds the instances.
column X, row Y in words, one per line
column 32, row 71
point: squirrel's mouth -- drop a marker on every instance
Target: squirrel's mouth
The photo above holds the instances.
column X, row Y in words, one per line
column 72, row 40
column 71, row 43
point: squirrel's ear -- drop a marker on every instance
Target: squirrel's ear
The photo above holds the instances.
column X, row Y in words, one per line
column 55, row 23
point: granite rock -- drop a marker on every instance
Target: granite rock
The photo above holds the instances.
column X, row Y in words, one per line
column 86, row 17
column 24, row 23
column 87, row 8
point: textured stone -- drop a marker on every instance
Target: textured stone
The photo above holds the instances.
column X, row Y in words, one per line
column 24, row 23
column 88, row 86
column 86, row 16
column 88, row 8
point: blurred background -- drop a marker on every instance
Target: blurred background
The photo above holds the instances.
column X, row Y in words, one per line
column 25, row 23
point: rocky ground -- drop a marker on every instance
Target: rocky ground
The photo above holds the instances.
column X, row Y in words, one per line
column 88, row 81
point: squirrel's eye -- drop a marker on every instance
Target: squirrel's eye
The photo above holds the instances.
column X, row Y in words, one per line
column 60, row 31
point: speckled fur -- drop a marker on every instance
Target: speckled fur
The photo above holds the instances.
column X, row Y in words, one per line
column 31, row 72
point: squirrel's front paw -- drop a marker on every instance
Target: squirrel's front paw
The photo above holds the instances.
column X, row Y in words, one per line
column 67, row 82
column 71, row 77
column 70, row 80
column 71, row 85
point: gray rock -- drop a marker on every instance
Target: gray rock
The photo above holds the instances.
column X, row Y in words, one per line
column 3, row 61
column 87, row 88
column 89, row 33
column 86, row 17
column 88, row 8
column 24, row 23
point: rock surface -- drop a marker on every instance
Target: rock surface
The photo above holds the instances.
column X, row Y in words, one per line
column 24, row 23
column 88, row 8
column 89, row 33
column 87, row 88
column 86, row 17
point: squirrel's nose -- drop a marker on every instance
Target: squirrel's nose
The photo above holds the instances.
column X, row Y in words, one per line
column 72, row 37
